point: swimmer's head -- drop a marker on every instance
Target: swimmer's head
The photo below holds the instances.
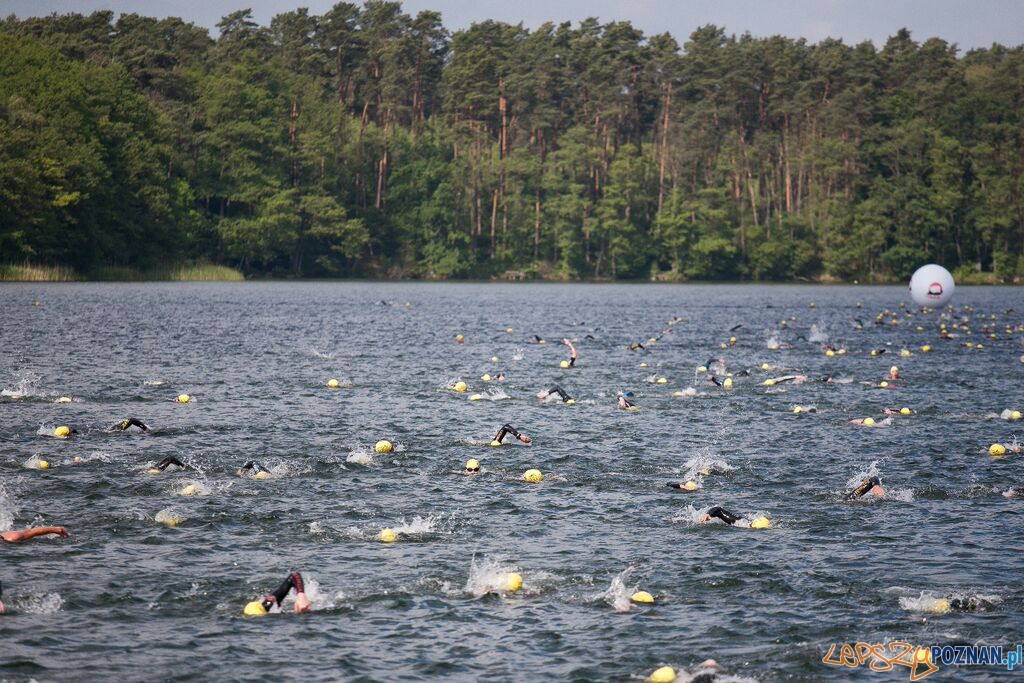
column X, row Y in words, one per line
column 1015, row 415
column 486, row 377
column 387, row 536
column 476, row 397
column 868, row 422
column 571, row 402
column 459, row 339
column 727, row 383
column 472, row 466
column 62, row 432
column 533, row 476
column 665, row 674
column 152, row 470
column 513, row 582
column 760, row 523
column 262, row 474
column 940, row 607
column 333, row 384
column 690, row 485
column 383, row 446
column 997, row 449
column 495, row 443
column 183, row 398
column 44, row 464
column 905, row 411
column 255, row 609
column 564, row 364
column 642, row 597
column 460, row 386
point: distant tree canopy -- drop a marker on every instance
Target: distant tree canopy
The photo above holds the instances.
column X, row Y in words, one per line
column 368, row 142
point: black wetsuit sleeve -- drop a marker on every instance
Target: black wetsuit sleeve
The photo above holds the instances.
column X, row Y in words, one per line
column 509, row 429
column 501, row 433
column 723, row 515
column 132, row 422
column 866, row 486
column 572, row 361
column 560, row 391
column 716, row 380
column 293, row 580
column 169, row 460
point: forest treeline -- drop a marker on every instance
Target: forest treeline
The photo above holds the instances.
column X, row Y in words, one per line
column 369, row 142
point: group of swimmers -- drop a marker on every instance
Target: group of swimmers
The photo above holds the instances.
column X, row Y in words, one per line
column 294, row 582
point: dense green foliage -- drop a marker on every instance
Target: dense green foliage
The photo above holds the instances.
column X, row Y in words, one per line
column 367, row 142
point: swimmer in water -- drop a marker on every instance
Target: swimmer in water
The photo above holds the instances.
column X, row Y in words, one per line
column 1, row 598
column 293, row 580
column 125, row 425
column 509, row 429
column 542, row 395
column 500, row 377
column 1014, row 493
column 871, row 485
column 254, row 468
column 731, row 519
column 688, row 486
column 795, row 379
column 967, row 604
column 624, row 403
column 572, row 351
column 636, row 346
column 537, row 340
column 25, row 534
column 165, row 463
column 472, row 466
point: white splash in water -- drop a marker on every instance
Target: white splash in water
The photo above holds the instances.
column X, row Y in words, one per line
column 618, row 592
column 817, row 336
column 487, row 576
column 8, row 507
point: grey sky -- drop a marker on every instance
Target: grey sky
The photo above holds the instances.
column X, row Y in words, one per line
column 977, row 23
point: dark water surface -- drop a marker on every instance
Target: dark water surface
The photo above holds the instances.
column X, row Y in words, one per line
column 129, row 598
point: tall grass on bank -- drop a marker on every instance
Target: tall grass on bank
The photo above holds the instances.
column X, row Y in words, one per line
column 29, row 272
column 206, row 272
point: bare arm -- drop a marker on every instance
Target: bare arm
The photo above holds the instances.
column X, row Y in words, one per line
column 26, row 534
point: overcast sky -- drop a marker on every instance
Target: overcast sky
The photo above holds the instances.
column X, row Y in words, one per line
column 968, row 23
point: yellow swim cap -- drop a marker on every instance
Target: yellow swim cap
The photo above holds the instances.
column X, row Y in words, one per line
column 940, row 606
column 472, row 464
column 905, row 352
column 494, row 359
column 1015, row 415
column 830, row 353
column 874, row 352
column 732, row 340
column 643, row 365
column 723, row 345
column 702, row 368
column 769, row 382
column 460, row 386
column 893, row 369
column 571, row 402
column 513, row 582
column 476, row 397
column 905, row 411
column 262, row 475
column 255, row 609
column 727, row 383
column 706, row 471
column 869, row 422
column 564, row 364
column 665, row 674
column 153, row 470
column 183, row 398
column 691, row 485
column 761, row 523
column 333, row 384
column 459, row 338
column 387, row 536
column 509, row 330
column 383, row 446
column 62, row 432
column 642, row 596
column 43, row 464
column 662, row 380
column 997, row 449
column 798, row 409
column 63, row 399
column 926, row 348
column 533, row 476
column 883, row 384
column 841, row 352
column 189, row 490
column 485, row 377
column 651, row 340
column 495, row 443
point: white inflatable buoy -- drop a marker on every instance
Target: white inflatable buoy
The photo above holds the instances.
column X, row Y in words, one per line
column 931, row 285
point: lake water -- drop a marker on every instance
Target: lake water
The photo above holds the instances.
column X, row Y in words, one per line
column 127, row 597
